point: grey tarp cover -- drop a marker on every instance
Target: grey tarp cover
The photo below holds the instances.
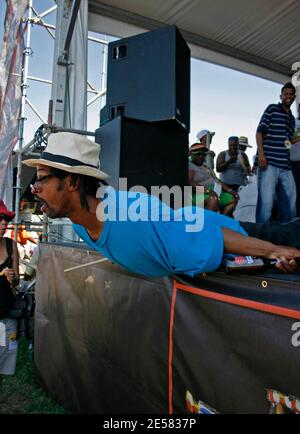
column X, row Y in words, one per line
column 101, row 340
column 104, row 342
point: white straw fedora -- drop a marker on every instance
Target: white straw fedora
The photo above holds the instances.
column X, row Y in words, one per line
column 72, row 153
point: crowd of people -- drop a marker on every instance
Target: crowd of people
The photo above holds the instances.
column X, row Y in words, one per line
column 277, row 165
column 67, row 184
column 220, row 194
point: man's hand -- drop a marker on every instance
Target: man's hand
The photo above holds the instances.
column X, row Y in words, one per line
column 239, row 244
column 262, row 162
column 286, row 257
column 232, row 159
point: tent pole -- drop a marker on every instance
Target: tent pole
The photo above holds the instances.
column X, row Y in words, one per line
column 22, row 118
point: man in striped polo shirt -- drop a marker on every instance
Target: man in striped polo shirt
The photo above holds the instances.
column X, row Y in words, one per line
column 274, row 137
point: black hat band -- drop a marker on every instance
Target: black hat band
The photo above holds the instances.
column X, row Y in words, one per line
column 64, row 160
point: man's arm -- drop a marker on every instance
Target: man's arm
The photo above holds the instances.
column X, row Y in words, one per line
column 244, row 162
column 262, row 161
column 191, row 179
column 262, row 130
column 247, row 246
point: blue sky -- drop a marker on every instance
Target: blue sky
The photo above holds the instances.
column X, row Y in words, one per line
column 222, row 100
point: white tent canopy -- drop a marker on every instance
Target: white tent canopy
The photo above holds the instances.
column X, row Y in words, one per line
column 259, row 37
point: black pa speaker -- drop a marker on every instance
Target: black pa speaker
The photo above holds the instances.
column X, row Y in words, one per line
column 148, row 77
column 146, row 153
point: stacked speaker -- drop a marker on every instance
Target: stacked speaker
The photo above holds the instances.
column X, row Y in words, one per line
column 145, row 124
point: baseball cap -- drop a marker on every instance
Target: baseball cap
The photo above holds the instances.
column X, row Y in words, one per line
column 233, row 139
column 203, row 133
column 197, row 147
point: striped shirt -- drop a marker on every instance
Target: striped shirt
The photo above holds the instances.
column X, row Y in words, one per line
column 277, row 125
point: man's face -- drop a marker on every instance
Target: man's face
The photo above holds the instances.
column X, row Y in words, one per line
column 52, row 193
column 198, row 157
column 287, row 97
column 233, row 147
column 204, row 140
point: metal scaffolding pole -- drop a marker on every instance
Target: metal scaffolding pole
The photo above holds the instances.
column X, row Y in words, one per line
column 103, row 73
column 33, row 17
column 24, row 85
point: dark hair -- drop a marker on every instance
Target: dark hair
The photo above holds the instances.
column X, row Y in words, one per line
column 88, row 186
column 288, row 85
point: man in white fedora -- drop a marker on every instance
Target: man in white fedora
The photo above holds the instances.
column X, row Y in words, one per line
column 68, row 176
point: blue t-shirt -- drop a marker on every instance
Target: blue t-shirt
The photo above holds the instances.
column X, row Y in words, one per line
column 156, row 240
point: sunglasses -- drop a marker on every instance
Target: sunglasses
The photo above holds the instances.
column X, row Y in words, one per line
column 4, row 217
column 198, row 153
column 39, row 182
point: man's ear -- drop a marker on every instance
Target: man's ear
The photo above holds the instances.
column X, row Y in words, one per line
column 73, row 183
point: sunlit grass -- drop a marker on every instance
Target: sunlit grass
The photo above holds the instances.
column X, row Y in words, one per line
column 21, row 393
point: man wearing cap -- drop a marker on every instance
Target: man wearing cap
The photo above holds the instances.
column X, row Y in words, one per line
column 68, row 173
column 205, row 138
column 232, row 165
column 214, row 193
